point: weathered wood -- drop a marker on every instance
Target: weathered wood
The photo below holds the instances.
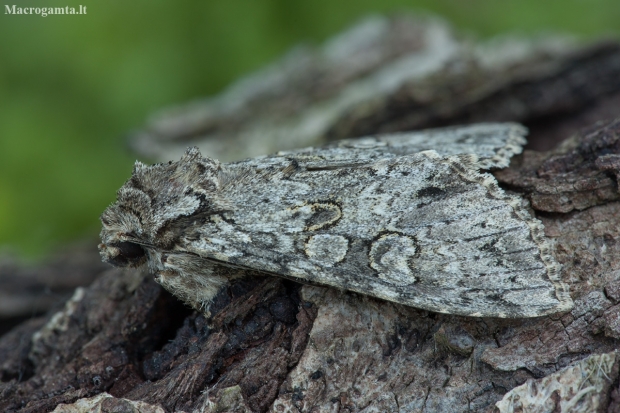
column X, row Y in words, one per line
column 584, row 172
column 30, row 289
column 394, row 74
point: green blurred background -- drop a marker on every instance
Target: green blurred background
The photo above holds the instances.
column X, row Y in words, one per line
column 72, row 86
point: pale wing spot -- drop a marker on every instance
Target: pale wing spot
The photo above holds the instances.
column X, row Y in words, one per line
column 390, row 255
column 324, row 215
column 327, row 249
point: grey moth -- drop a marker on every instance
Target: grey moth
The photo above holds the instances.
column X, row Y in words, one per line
column 410, row 218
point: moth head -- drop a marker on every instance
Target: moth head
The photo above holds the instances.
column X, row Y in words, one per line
column 156, row 204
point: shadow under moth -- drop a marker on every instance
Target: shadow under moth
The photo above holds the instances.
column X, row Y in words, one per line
column 408, row 218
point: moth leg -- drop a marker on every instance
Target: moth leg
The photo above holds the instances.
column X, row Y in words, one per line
column 205, row 286
column 198, row 291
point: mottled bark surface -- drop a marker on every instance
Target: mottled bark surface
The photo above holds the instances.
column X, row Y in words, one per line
column 402, row 73
column 125, row 344
column 28, row 289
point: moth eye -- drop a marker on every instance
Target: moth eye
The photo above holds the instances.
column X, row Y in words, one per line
column 130, row 250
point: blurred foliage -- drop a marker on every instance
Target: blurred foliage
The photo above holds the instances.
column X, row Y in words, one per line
column 71, row 86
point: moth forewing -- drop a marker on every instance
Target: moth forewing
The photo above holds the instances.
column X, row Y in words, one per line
column 375, row 216
column 420, row 230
